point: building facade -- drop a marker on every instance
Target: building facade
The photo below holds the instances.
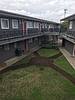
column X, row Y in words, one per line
column 19, row 33
column 69, row 37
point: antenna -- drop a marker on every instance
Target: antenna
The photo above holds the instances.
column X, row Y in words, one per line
column 65, row 11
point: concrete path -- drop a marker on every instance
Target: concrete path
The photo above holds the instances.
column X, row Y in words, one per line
column 68, row 56
column 12, row 61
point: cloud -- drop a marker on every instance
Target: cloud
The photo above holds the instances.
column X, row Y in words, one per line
column 46, row 9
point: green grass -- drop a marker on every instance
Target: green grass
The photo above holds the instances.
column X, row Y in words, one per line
column 31, row 83
column 48, row 52
column 64, row 64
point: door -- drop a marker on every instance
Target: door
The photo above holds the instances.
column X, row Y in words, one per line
column 24, row 27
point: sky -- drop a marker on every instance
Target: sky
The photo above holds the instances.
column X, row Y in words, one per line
column 52, row 10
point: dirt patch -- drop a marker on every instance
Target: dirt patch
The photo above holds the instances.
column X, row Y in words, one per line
column 44, row 61
column 41, row 61
column 47, row 62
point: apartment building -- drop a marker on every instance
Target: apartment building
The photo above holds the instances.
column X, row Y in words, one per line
column 24, row 34
column 69, row 37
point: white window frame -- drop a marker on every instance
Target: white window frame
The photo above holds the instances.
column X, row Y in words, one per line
column 2, row 23
column 36, row 24
column 30, row 24
column 15, row 45
column 17, row 25
column 70, row 25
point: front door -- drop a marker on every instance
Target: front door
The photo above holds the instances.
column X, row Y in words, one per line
column 24, row 27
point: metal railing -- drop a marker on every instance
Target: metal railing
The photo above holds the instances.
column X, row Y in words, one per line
column 19, row 33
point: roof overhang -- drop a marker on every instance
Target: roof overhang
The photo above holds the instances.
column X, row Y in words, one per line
column 14, row 15
column 72, row 17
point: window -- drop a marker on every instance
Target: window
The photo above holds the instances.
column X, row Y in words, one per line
column 30, row 40
column 15, row 45
column 70, row 25
column 6, row 47
column 45, row 25
column 42, row 25
column 30, row 24
column 14, row 23
column 4, row 23
column 1, row 47
column 36, row 25
column 49, row 26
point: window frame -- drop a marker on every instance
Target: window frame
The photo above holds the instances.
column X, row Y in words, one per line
column 6, row 47
column 70, row 25
column 36, row 24
column 2, row 27
column 13, row 24
column 15, row 45
column 30, row 24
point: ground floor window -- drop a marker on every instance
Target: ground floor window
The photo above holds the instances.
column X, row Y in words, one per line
column 1, row 47
column 15, row 45
column 6, row 47
column 30, row 40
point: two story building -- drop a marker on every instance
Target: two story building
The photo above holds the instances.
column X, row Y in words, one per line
column 69, row 37
column 24, row 34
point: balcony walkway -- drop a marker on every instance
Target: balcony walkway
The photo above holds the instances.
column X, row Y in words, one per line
column 68, row 56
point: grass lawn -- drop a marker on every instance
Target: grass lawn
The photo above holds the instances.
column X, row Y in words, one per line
column 31, row 83
column 64, row 64
column 48, row 52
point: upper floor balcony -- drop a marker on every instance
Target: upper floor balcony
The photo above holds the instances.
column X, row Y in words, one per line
column 9, row 34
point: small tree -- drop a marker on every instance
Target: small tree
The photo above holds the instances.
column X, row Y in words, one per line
column 64, row 26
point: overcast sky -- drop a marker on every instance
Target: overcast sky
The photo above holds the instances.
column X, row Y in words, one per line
column 47, row 9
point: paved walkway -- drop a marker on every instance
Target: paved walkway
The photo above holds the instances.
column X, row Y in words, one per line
column 12, row 61
column 69, row 57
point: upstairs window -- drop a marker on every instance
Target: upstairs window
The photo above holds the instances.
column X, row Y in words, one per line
column 36, row 25
column 30, row 24
column 49, row 26
column 15, row 24
column 42, row 25
column 70, row 25
column 4, row 23
column 45, row 25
